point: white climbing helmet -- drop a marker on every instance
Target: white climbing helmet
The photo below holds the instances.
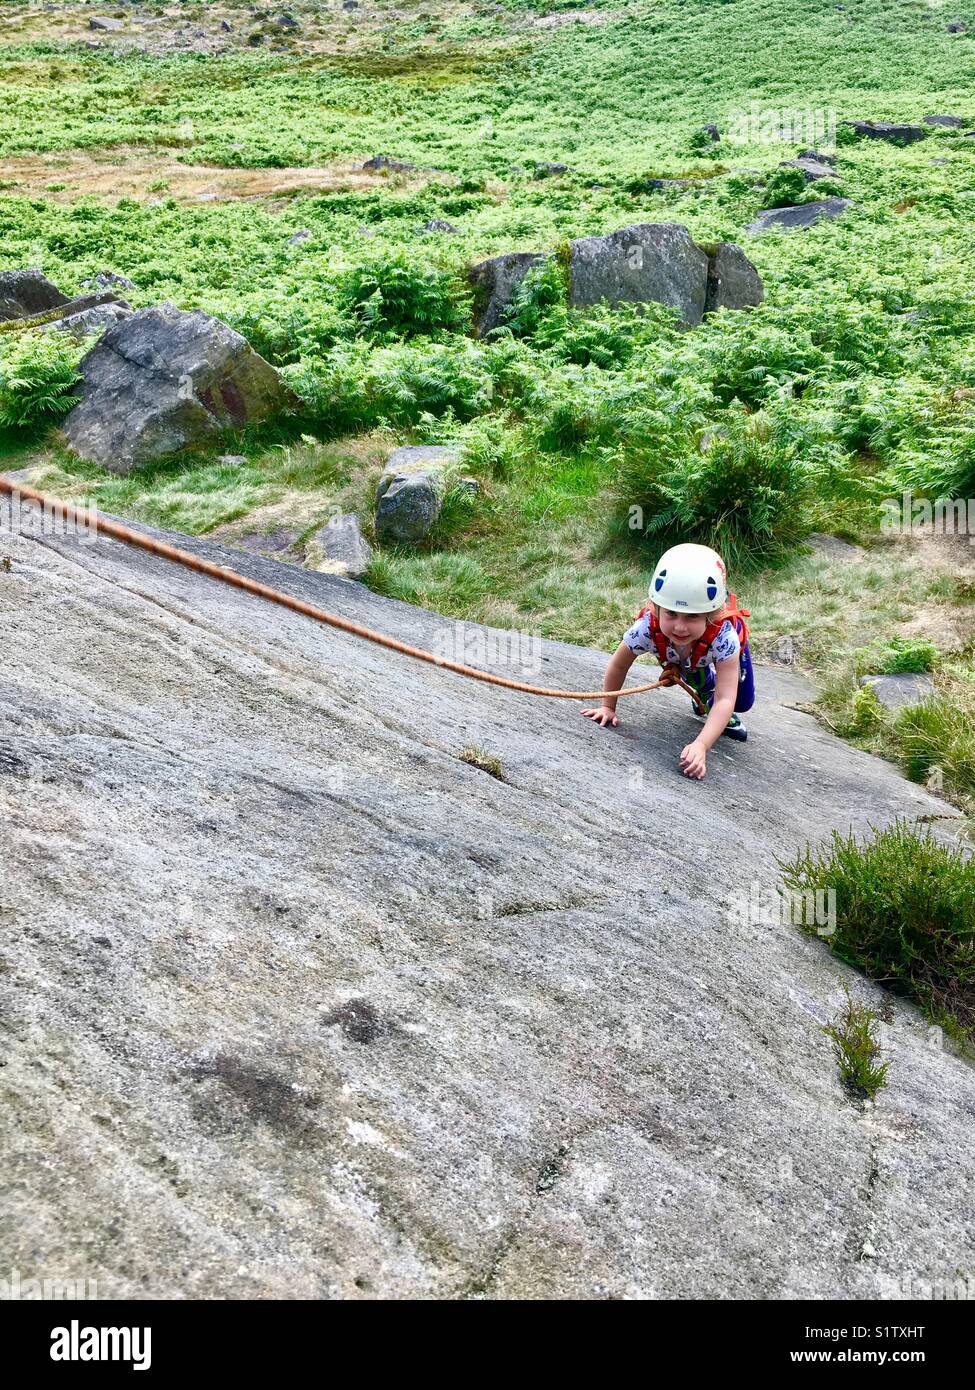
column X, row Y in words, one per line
column 690, row 579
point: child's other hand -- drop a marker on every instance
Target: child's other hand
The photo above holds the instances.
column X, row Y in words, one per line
column 603, row 716
column 694, row 760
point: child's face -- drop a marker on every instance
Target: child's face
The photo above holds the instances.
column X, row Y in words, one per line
column 681, row 627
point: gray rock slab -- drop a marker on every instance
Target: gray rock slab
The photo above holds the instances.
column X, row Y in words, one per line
column 27, row 292
column 733, row 282
column 299, row 1004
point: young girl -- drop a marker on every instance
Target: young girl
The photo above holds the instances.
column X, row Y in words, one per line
column 692, row 622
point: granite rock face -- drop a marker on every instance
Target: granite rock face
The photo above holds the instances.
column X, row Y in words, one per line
column 300, row 1004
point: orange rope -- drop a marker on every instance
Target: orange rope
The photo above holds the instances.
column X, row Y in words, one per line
column 671, row 675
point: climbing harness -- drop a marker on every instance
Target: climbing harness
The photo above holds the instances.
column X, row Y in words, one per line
column 701, row 647
column 671, row 674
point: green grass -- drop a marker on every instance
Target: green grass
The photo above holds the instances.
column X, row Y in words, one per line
column 905, row 916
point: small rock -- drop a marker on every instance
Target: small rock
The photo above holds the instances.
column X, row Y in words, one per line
column 905, row 688
column 350, row 4
column 383, row 161
column 811, row 169
column 545, row 170
column 711, row 131
column 106, row 25
column 437, row 224
column 94, row 320
column 951, row 121
column 226, row 26
column 956, row 27
column 800, row 216
column 339, row 547
column 296, row 237
column 817, row 156
column 106, row 279
column 234, row 460
column 286, row 21
column 411, row 490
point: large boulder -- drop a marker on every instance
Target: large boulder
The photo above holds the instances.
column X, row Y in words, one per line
column 733, row 282
column 495, row 281
column 800, row 216
column 898, row 132
column 27, row 292
column 411, row 491
column 164, row 380
column 651, row 261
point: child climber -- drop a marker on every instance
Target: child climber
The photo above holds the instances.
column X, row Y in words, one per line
column 693, row 623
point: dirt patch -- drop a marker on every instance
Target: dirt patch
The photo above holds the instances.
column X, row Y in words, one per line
column 126, row 171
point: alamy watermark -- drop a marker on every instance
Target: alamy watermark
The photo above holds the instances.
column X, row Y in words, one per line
column 945, row 516
column 770, row 905
column 18, row 513
column 517, row 650
column 49, row 1287
column 767, row 125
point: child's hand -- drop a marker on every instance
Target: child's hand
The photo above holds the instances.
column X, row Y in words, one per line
column 694, row 760
column 603, row 716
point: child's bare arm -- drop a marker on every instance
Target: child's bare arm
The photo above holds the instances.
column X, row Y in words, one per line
column 693, row 758
column 619, row 663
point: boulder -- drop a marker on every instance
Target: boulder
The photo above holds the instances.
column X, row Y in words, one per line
column 800, row 216
column 411, row 491
column 817, row 156
column 339, row 547
column 495, row 281
column 651, row 261
column 812, row 169
column 104, row 25
column 951, row 121
column 382, row 161
column 545, row 170
column 733, row 282
column 285, row 21
column 163, row 380
column 956, row 27
column 905, row 688
column 27, row 292
column 899, row 133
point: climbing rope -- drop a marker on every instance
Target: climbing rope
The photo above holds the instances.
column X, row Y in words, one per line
column 671, row 674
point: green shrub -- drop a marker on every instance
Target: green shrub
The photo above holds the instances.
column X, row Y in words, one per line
column 395, row 294
column 540, row 291
column 730, row 485
column 905, row 654
column 905, row 915
column 785, row 188
column 856, row 1049
column 38, row 372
